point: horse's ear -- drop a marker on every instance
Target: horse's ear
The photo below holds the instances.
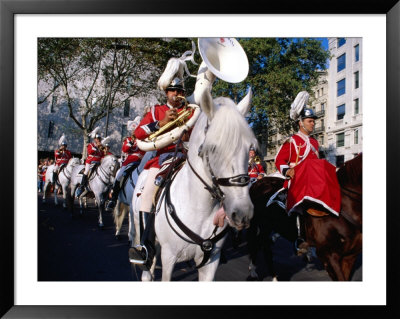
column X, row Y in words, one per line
column 245, row 104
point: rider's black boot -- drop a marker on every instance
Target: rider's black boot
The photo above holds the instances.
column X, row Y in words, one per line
column 143, row 254
column 82, row 186
column 113, row 200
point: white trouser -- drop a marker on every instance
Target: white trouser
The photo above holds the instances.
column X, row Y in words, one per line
column 88, row 167
column 149, row 190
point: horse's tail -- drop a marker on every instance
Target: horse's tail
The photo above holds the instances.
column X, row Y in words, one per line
column 119, row 213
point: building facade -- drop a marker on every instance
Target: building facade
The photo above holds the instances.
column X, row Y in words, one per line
column 344, row 118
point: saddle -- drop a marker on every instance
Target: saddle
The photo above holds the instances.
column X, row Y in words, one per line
column 90, row 170
column 126, row 176
column 168, row 169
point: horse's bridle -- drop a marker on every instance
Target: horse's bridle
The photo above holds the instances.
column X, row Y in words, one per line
column 240, row 180
column 206, row 245
column 105, row 174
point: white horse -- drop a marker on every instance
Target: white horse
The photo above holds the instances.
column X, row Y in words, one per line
column 64, row 178
column 123, row 204
column 100, row 181
column 214, row 174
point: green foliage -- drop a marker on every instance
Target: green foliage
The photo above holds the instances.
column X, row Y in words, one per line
column 279, row 69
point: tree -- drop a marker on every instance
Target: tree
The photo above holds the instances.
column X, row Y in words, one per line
column 279, row 69
column 94, row 76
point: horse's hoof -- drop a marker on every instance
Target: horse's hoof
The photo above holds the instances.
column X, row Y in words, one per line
column 101, row 225
column 118, row 237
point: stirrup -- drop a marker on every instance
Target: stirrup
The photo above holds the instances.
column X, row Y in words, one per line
column 138, row 255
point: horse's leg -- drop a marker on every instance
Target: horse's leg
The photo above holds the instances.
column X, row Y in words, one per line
column 347, row 266
column 132, row 229
column 332, row 264
column 46, row 184
column 168, row 261
column 65, row 195
column 252, row 247
column 119, row 213
column 55, row 194
column 100, row 204
column 207, row 272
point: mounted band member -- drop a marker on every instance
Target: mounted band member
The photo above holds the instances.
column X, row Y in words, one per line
column 93, row 158
column 61, row 156
column 256, row 171
column 133, row 156
column 308, row 179
column 157, row 117
column 106, row 146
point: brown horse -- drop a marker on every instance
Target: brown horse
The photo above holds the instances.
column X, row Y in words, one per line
column 337, row 240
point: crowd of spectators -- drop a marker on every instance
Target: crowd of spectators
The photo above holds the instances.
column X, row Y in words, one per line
column 41, row 172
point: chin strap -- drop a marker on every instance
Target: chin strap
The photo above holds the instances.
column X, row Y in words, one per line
column 302, row 125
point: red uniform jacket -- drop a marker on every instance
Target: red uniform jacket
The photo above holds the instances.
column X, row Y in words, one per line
column 62, row 157
column 148, row 125
column 314, row 180
column 294, row 151
column 94, row 154
column 255, row 169
column 132, row 152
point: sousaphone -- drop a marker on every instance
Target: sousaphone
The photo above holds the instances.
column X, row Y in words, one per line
column 223, row 58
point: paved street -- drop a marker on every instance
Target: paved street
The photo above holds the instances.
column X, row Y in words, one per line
column 75, row 249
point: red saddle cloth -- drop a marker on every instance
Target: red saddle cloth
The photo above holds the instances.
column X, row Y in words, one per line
column 315, row 181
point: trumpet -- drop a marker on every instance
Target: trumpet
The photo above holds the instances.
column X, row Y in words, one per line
column 180, row 120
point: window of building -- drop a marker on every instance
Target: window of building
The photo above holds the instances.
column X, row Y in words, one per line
column 126, row 108
column 50, row 132
column 356, row 137
column 341, row 87
column 356, row 53
column 322, row 106
column 53, row 103
column 341, row 41
column 322, row 91
column 124, row 132
column 341, row 62
column 356, row 106
column 339, row 160
column 356, row 80
column 341, row 111
column 340, row 139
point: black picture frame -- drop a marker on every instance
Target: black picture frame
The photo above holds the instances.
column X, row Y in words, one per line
column 8, row 10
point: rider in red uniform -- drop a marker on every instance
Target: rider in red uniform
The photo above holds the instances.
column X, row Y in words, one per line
column 133, row 156
column 106, row 146
column 94, row 157
column 61, row 156
column 157, row 117
column 255, row 170
column 308, row 178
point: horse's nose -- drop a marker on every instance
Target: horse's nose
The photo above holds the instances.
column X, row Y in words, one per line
column 241, row 219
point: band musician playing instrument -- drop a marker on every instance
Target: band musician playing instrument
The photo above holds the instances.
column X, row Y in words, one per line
column 156, row 118
column 61, row 156
column 133, row 156
column 255, row 170
column 94, row 157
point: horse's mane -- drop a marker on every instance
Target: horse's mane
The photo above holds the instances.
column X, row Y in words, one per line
column 351, row 171
column 228, row 134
